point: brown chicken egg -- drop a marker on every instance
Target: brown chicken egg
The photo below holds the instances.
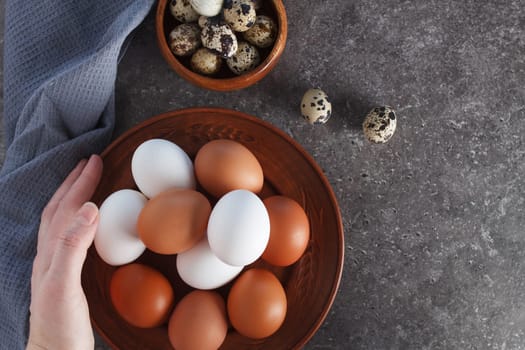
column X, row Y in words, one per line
column 257, row 304
column 141, row 295
column 289, row 231
column 199, row 322
column 174, row 221
column 222, row 166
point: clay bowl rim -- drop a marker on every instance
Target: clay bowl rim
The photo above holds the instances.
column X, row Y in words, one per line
column 224, row 84
column 314, row 326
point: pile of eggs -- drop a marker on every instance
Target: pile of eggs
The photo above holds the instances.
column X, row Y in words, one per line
column 171, row 215
column 214, row 31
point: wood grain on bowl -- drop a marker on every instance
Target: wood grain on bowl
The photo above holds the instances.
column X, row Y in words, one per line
column 311, row 283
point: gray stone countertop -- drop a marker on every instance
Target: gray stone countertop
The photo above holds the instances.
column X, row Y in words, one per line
column 434, row 219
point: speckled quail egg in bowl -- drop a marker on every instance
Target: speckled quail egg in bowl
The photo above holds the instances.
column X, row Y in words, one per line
column 218, row 59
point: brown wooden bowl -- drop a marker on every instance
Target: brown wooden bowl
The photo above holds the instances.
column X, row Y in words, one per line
column 225, row 80
column 310, row 284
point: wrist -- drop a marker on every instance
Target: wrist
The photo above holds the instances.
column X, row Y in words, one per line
column 34, row 345
column 36, row 342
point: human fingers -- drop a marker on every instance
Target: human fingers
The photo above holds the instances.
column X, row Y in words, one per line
column 39, row 264
column 84, row 186
column 50, row 209
column 78, row 193
column 73, row 243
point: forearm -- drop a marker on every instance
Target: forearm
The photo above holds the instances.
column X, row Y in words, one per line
column 60, row 65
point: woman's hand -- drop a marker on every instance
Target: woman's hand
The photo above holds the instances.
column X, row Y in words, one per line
column 59, row 311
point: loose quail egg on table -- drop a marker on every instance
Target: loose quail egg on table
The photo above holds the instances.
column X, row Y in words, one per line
column 315, row 106
column 183, row 11
column 239, row 14
column 185, row 39
column 380, row 124
column 245, row 59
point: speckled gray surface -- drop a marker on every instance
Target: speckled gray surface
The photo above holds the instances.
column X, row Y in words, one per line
column 434, row 219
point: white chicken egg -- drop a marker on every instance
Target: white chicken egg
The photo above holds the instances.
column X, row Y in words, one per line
column 201, row 269
column 117, row 241
column 239, row 228
column 158, row 165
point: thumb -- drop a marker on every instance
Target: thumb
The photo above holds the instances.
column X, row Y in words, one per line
column 73, row 244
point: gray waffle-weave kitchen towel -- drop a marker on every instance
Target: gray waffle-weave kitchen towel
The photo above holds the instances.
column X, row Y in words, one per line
column 60, row 65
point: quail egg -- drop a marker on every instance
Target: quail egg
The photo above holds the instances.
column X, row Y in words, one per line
column 257, row 4
column 185, row 39
column 204, row 21
column 315, row 106
column 245, row 59
column 380, row 124
column 239, row 14
column 205, row 62
column 262, row 33
column 220, row 39
column 182, row 11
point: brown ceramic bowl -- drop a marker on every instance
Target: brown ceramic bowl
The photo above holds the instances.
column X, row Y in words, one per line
column 225, row 80
column 310, row 284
